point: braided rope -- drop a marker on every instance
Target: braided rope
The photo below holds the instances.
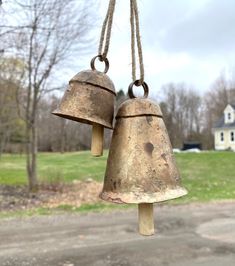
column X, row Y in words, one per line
column 106, row 31
column 135, row 36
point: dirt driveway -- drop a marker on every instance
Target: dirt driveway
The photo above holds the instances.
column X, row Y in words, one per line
column 187, row 235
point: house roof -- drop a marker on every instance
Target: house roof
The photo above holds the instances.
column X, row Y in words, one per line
column 233, row 105
column 221, row 124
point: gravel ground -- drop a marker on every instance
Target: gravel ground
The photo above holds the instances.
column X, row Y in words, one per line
column 186, row 235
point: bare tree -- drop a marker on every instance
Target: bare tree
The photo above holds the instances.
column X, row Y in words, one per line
column 182, row 110
column 220, row 94
column 46, row 33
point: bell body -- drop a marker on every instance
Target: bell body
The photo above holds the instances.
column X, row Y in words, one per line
column 89, row 99
column 141, row 166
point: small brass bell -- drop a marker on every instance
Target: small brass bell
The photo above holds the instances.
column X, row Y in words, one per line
column 90, row 99
column 141, row 167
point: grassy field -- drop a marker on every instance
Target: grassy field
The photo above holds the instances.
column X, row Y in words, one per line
column 207, row 175
column 53, row 167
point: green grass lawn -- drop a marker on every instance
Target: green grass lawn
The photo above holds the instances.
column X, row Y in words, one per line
column 206, row 175
column 53, row 167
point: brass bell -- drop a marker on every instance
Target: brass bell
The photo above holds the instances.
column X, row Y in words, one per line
column 89, row 99
column 141, row 167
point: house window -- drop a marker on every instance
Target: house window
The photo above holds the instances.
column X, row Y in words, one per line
column 229, row 116
column 232, row 136
column 222, row 136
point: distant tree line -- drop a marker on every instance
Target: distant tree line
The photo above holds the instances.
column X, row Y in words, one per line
column 188, row 116
column 37, row 38
column 54, row 134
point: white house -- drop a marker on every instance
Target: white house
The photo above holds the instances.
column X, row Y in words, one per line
column 224, row 129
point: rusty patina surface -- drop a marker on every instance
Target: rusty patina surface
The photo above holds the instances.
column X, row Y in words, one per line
column 89, row 99
column 141, row 167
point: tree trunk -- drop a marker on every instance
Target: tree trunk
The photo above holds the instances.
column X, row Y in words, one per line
column 4, row 141
column 1, row 148
column 34, row 158
column 62, row 136
column 31, row 153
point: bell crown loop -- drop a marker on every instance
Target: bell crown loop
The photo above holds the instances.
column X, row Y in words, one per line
column 138, row 83
column 101, row 59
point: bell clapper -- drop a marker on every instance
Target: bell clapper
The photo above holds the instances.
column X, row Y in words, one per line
column 97, row 140
column 146, row 220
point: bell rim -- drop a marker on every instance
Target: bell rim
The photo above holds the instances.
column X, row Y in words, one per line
column 143, row 197
column 84, row 120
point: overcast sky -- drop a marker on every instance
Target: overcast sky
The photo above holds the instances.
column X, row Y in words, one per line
column 190, row 41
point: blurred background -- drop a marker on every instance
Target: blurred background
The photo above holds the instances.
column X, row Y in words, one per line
column 189, row 66
column 188, row 56
column 45, row 163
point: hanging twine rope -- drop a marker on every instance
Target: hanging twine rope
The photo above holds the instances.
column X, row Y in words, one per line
column 106, row 31
column 135, row 37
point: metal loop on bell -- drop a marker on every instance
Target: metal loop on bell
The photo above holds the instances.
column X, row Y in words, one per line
column 137, row 83
column 101, row 59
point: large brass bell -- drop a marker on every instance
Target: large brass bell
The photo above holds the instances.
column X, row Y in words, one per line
column 89, row 99
column 141, row 167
